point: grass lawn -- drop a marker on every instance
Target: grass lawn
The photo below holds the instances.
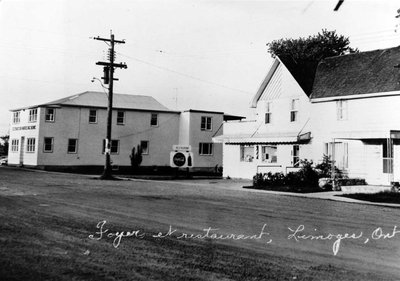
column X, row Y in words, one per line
column 380, row 197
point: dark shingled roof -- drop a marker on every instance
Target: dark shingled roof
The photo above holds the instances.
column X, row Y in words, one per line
column 302, row 71
column 360, row 73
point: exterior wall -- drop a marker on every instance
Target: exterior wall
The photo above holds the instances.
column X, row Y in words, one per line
column 24, row 130
column 73, row 123
column 233, row 167
column 279, row 92
column 192, row 134
column 368, row 123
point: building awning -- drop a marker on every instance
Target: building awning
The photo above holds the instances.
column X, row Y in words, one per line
column 276, row 138
column 372, row 134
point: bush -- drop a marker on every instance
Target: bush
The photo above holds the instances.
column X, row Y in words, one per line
column 325, row 168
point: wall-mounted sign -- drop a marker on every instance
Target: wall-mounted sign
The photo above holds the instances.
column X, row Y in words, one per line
column 179, row 147
column 24, row 128
column 181, row 159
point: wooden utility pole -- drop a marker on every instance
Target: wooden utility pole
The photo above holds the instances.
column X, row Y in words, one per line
column 109, row 79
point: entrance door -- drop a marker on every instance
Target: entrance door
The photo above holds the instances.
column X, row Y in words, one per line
column 21, row 151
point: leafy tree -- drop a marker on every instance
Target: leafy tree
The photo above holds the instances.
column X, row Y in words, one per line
column 314, row 48
column 4, row 144
column 301, row 56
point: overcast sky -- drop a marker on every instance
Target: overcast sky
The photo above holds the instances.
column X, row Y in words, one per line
column 209, row 55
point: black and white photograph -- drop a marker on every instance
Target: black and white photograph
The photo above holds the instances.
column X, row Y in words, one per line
column 200, row 140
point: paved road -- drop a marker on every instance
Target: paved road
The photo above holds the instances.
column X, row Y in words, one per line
column 191, row 207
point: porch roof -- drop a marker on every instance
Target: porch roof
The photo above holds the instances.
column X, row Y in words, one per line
column 367, row 134
column 276, row 138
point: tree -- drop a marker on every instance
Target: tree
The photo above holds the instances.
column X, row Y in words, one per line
column 314, row 48
column 136, row 156
column 301, row 56
column 4, row 144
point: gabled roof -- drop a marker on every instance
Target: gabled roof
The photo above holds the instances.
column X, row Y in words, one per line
column 360, row 73
column 100, row 99
column 303, row 73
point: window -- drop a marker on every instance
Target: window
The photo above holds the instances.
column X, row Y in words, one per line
column 387, row 156
column 144, row 145
column 154, row 120
column 294, row 110
column 30, row 145
column 341, row 109
column 33, row 115
column 14, row 145
column 246, row 153
column 16, row 117
column 72, row 145
column 295, row 154
column 206, row 123
column 268, row 113
column 205, row 148
column 120, row 117
column 114, row 148
column 339, row 153
column 48, row 145
column 92, row 116
column 50, row 114
column 269, row 154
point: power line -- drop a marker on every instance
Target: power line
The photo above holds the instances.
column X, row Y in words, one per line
column 184, row 74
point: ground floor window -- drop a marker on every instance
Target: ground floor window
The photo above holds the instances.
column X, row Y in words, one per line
column 14, row 145
column 339, row 153
column 30, row 145
column 387, row 156
column 246, row 153
column 269, row 153
column 295, row 155
column 144, row 145
column 205, row 148
column 48, row 144
column 72, row 146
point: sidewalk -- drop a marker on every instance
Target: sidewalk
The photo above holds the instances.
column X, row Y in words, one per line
column 237, row 184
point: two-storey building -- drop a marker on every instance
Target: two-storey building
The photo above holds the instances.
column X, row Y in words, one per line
column 69, row 134
column 280, row 136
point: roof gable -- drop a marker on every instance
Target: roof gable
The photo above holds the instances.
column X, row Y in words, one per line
column 360, row 73
column 277, row 76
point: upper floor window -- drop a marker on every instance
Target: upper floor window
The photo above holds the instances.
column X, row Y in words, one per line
column 50, row 115
column 154, row 120
column 294, row 107
column 30, row 145
column 341, row 109
column 14, row 145
column 206, row 123
column 205, row 148
column 120, row 117
column 92, row 116
column 48, row 144
column 33, row 115
column 268, row 113
column 16, row 117
column 144, row 145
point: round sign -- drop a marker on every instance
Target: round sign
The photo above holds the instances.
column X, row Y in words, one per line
column 179, row 159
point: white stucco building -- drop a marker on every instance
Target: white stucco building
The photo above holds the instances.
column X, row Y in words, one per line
column 350, row 112
column 68, row 134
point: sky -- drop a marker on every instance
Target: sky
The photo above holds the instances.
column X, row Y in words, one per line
column 187, row 54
